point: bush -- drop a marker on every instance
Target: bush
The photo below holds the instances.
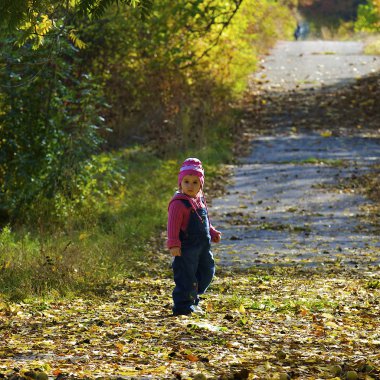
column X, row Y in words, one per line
column 368, row 19
column 49, row 128
column 92, row 200
column 168, row 79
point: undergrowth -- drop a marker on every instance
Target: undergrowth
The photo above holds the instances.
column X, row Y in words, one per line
column 108, row 224
column 372, row 45
column 113, row 232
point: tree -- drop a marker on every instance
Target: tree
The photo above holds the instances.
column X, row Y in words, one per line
column 36, row 19
column 49, row 122
column 368, row 19
column 15, row 13
column 165, row 80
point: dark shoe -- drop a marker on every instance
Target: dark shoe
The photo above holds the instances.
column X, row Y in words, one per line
column 183, row 312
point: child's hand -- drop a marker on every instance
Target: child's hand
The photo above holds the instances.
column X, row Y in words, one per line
column 175, row 251
column 217, row 238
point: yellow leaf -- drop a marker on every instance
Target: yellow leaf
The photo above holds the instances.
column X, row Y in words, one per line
column 192, row 358
column 76, row 40
column 127, row 372
column 6, row 265
column 120, row 348
column 233, row 344
column 160, row 369
column 43, row 27
column 331, row 324
column 84, row 235
column 326, row 133
column 209, row 307
column 241, row 309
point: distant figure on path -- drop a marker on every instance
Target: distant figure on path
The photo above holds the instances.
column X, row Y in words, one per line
column 189, row 239
column 297, row 32
column 301, row 31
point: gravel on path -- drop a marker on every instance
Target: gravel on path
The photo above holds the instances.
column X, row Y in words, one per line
column 283, row 207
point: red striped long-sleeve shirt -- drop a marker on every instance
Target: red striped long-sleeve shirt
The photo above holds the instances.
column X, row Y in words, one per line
column 179, row 216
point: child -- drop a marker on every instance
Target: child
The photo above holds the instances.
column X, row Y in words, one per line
column 189, row 237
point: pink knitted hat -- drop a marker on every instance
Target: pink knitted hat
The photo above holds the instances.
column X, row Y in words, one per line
column 191, row 166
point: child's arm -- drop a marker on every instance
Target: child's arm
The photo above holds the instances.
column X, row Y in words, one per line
column 217, row 238
column 175, row 251
column 216, row 235
column 175, row 218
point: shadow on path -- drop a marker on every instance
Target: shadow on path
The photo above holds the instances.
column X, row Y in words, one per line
column 286, row 205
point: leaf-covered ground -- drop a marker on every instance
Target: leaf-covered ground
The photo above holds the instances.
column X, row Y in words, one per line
column 279, row 323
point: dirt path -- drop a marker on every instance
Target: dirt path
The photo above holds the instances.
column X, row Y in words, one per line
column 305, row 64
column 283, row 206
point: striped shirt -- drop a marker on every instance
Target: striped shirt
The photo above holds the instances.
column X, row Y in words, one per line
column 179, row 216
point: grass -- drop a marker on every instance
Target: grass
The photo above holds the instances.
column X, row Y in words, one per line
column 306, row 303
column 110, row 235
column 372, row 46
column 324, row 53
column 284, row 227
column 263, row 297
column 114, row 226
column 318, row 161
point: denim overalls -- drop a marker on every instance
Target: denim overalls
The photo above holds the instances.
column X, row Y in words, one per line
column 195, row 268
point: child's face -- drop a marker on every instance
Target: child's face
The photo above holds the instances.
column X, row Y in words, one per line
column 190, row 185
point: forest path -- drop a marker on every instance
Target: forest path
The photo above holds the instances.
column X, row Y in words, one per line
column 289, row 203
column 287, row 321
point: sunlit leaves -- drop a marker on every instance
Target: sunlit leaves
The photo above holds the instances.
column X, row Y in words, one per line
column 131, row 333
column 35, row 33
column 97, row 8
column 15, row 13
column 76, row 40
column 368, row 18
column 37, row 19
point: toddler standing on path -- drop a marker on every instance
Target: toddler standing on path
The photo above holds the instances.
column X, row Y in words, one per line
column 189, row 239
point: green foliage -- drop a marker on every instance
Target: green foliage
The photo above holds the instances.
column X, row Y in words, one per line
column 107, row 233
column 174, row 75
column 163, row 84
column 332, row 19
column 48, row 124
column 157, row 74
column 372, row 47
column 368, row 19
column 18, row 13
column 104, row 235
